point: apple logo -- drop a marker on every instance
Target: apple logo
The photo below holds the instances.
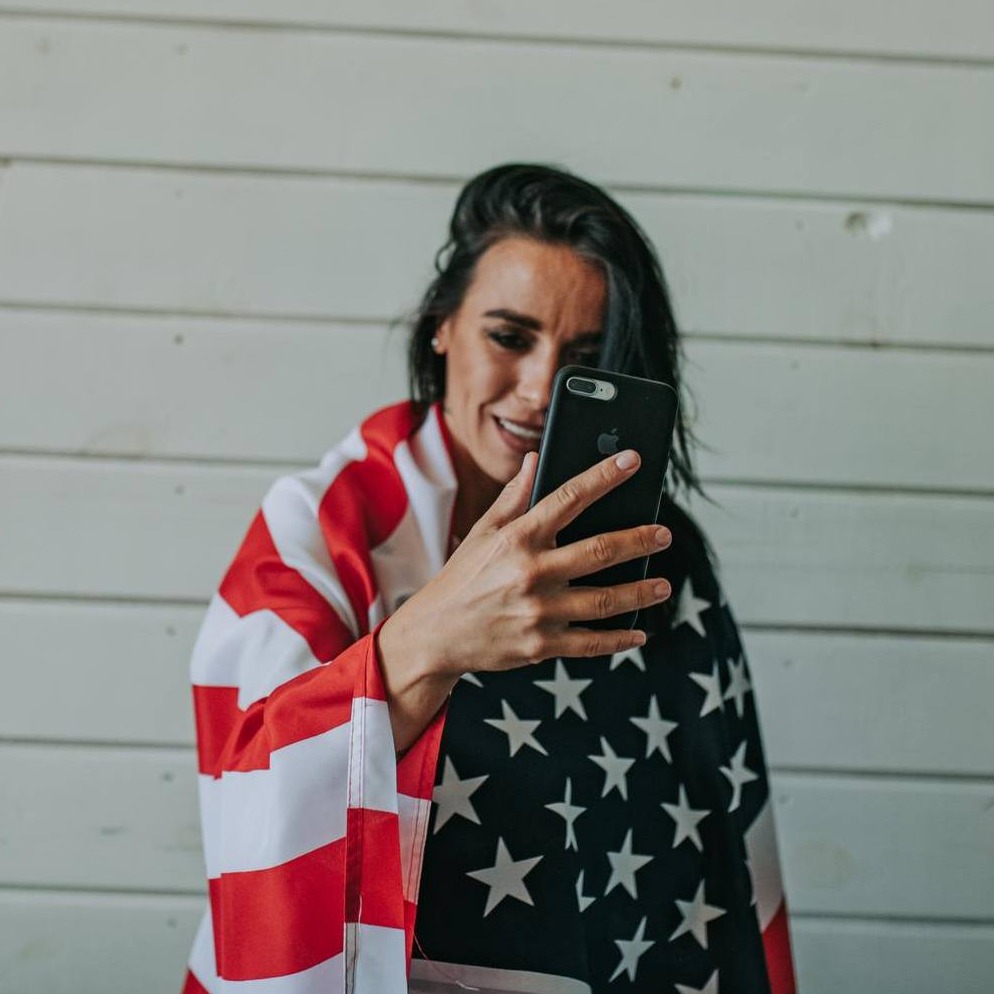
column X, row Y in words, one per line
column 607, row 442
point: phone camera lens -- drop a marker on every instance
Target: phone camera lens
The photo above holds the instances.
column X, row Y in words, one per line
column 577, row 384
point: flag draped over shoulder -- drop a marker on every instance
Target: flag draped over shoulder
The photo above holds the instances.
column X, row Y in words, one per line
column 313, row 831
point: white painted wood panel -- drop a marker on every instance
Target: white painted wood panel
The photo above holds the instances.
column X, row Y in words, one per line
column 892, row 957
column 828, row 701
column 874, row 702
column 251, row 390
column 79, row 943
column 895, row 27
column 114, row 529
column 324, row 247
column 124, row 819
column 71, row 943
column 83, row 90
column 96, row 672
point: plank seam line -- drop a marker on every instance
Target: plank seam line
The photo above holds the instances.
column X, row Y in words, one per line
column 951, row 921
column 398, row 324
column 858, row 57
column 223, row 464
column 838, row 198
column 837, row 773
column 180, row 751
column 868, row 633
column 54, row 889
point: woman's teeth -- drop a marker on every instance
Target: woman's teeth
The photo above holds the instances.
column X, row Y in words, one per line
column 529, row 433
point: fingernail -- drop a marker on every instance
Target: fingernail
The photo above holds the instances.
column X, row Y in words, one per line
column 661, row 588
column 640, row 637
column 627, row 459
column 663, row 537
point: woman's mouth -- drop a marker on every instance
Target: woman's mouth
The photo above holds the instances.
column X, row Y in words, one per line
column 521, row 438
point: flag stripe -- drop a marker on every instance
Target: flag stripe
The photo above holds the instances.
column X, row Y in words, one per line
column 779, row 962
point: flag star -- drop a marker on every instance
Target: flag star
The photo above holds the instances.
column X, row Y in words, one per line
column 690, row 608
column 686, row 819
column 711, row 987
column 738, row 775
column 631, row 951
column 583, row 902
column 570, row 812
column 566, row 691
column 615, row 767
column 506, row 878
column 696, row 915
column 473, row 679
column 518, row 730
column 738, row 685
column 657, row 731
column 452, row 796
column 633, row 655
column 711, row 684
column 624, row 866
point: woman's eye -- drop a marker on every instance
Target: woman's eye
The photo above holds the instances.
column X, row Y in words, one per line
column 510, row 340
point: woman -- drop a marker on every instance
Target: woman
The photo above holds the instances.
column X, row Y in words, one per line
column 396, row 627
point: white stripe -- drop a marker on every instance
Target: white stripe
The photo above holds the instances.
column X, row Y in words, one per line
column 373, row 759
column 764, row 865
column 291, row 512
column 325, row 978
column 263, row 818
column 431, row 977
column 380, row 957
column 256, row 653
column 202, row 955
column 413, row 813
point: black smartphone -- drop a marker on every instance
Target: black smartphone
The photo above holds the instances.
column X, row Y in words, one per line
column 594, row 413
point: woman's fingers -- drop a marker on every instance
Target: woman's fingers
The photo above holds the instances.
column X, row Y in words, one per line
column 574, row 643
column 589, row 603
column 556, row 510
column 588, row 555
column 512, row 501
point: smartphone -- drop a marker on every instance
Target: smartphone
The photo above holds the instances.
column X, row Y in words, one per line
column 594, row 413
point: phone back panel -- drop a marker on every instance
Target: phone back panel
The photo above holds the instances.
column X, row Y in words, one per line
column 582, row 430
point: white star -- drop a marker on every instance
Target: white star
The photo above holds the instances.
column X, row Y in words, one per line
column 656, row 729
column 473, row 679
column 686, row 819
column 696, row 915
column 690, row 608
column 583, row 902
column 711, row 987
column 711, row 684
column 518, row 730
column 566, row 691
column 452, row 796
column 570, row 812
column 633, row 655
column 624, row 866
column 506, row 878
column 615, row 767
column 631, row 951
column 738, row 775
column 738, row 685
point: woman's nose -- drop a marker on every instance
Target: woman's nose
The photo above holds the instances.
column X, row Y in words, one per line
column 535, row 384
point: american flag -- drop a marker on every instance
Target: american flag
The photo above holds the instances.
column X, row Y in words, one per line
column 314, row 833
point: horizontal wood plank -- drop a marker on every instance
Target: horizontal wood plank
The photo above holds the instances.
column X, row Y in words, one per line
column 118, row 673
column 329, row 248
column 251, row 390
column 71, row 89
column 111, row 529
column 127, row 819
column 892, row 27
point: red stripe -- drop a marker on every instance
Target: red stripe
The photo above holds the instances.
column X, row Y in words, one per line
column 216, row 714
column 373, row 894
column 193, row 986
column 258, row 579
column 366, row 499
column 776, row 944
column 307, row 705
column 281, row 920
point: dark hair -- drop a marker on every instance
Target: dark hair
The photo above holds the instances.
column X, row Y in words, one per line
column 552, row 205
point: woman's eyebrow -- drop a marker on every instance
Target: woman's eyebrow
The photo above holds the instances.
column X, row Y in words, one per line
column 515, row 317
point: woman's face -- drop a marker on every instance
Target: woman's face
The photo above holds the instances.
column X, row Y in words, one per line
column 531, row 308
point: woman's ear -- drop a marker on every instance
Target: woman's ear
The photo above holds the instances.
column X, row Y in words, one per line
column 440, row 340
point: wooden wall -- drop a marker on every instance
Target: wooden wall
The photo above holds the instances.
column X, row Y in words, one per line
column 211, row 216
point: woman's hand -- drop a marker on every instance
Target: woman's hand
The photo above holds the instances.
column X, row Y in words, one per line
column 503, row 599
